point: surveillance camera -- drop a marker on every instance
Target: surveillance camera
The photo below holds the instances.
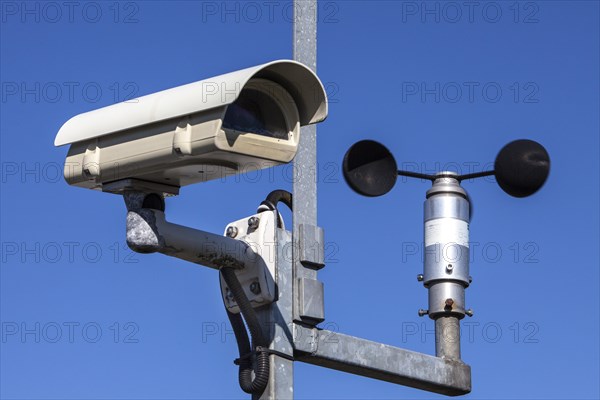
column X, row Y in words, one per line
column 238, row 122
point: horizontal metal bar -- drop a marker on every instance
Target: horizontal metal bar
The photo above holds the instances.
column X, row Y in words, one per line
column 475, row 175
column 379, row 361
column 148, row 231
column 200, row 247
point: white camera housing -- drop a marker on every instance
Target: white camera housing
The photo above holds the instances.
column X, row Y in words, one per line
column 238, row 122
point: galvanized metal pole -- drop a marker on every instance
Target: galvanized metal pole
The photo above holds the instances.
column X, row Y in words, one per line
column 277, row 324
column 308, row 237
column 305, row 174
column 447, row 338
column 280, row 315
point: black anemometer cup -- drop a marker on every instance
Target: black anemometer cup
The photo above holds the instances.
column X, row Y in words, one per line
column 369, row 168
column 522, row 167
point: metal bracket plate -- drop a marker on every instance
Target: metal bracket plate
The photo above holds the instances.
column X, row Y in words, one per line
column 311, row 300
column 138, row 185
column 312, row 246
column 259, row 277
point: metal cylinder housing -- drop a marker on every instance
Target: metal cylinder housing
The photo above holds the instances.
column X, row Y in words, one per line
column 446, row 246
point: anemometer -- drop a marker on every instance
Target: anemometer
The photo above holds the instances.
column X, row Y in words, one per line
column 521, row 168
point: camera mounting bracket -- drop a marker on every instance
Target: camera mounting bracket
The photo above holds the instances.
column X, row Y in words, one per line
column 259, row 277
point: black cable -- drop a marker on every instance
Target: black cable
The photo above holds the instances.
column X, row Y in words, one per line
column 283, row 196
column 260, row 349
column 275, row 197
column 260, row 367
column 254, row 359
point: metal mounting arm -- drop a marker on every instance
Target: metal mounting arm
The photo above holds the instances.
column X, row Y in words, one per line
column 380, row 361
column 148, row 231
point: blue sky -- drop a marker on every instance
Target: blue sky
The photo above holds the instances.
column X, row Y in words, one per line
column 443, row 84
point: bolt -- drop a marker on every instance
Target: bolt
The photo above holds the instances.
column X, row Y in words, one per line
column 255, row 287
column 470, row 279
column 469, row 312
column 253, row 222
column 420, row 277
column 423, row 312
column 448, row 304
column 449, row 268
column 232, row 231
column 229, row 294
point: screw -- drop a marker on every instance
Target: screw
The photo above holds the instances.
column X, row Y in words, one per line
column 449, row 268
column 253, row 222
column 229, row 294
column 470, row 279
column 255, row 287
column 469, row 312
column 420, row 277
column 232, row 231
column 423, row 312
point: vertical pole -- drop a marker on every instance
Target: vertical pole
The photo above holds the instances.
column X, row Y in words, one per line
column 447, row 337
column 279, row 316
column 305, row 181
column 277, row 322
column 305, row 174
column 305, row 171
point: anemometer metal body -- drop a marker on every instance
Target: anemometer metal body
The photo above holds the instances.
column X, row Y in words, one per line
column 446, row 239
column 446, row 260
